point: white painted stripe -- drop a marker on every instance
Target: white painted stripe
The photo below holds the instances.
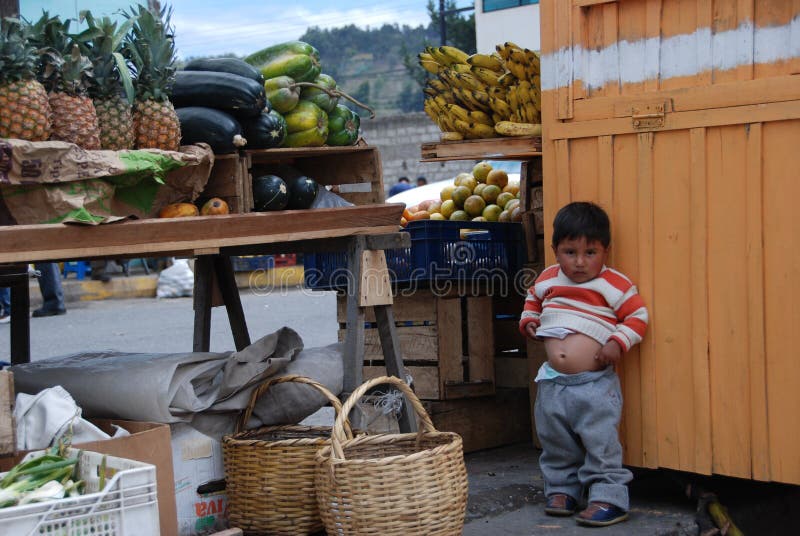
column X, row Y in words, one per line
column 678, row 56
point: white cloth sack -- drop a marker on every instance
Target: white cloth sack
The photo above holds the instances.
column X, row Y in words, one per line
column 176, row 281
column 42, row 419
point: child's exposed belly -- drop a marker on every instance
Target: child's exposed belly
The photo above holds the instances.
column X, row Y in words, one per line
column 573, row 354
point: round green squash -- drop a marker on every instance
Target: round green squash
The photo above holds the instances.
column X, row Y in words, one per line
column 265, row 131
column 343, row 126
column 318, row 96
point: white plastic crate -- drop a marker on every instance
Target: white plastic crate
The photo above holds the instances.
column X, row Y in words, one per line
column 128, row 505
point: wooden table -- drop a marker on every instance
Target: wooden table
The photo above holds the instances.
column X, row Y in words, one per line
column 212, row 240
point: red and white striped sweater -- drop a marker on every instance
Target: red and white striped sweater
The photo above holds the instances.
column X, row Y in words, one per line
column 607, row 307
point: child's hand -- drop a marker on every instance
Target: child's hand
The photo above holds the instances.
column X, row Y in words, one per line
column 530, row 330
column 610, row 353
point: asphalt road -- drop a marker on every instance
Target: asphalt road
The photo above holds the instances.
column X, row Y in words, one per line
column 166, row 325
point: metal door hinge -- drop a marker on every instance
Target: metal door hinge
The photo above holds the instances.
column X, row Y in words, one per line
column 647, row 116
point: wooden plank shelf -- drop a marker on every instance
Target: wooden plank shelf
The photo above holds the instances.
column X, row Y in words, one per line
column 192, row 235
column 510, row 148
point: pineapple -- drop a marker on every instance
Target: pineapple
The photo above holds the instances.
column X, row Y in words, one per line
column 66, row 73
column 24, row 108
column 111, row 75
column 151, row 48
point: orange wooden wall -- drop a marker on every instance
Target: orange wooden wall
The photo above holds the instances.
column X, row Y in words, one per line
column 704, row 213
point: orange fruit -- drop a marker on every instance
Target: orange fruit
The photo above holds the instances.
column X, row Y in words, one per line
column 478, row 218
column 469, row 182
column 498, row 177
column 459, row 215
column 460, row 177
column 478, row 190
column 504, row 198
column 505, row 217
column 512, row 187
column 447, row 192
column 437, row 216
column 435, row 207
column 447, row 208
column 516, row 214
column 460, row 194
column 407, row 214
column 421, row 215
column 474, row 205
column 492, row 212
column 481, row 170
column 490, row 193
column 511, row 205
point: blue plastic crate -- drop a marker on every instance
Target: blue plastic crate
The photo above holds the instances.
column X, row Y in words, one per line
column 440, row 250
column 251, row 264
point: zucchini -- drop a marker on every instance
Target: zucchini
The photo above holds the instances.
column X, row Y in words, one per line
column 214, row 127
column 237, row 95
column 225, row 65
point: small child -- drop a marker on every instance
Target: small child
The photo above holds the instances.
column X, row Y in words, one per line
column 587, row 315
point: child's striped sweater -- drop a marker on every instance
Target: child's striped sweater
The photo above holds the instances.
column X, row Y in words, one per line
column 607, row 307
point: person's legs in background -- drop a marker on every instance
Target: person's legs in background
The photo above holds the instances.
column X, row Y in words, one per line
column 5, row 305
column 50, row 286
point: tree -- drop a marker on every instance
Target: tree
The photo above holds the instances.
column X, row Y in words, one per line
column 411, row 99
column 460, row 29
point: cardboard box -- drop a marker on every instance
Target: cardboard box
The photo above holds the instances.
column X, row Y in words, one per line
column 149, row 442
column 197, row 462
column 8, row 438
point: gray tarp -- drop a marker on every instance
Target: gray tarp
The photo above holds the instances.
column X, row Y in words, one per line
column 208, row 390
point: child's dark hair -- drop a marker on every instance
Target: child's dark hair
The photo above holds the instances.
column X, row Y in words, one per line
column 581, row 219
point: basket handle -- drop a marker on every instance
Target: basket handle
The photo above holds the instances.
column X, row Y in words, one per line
column 342, row 424
column 247, row 412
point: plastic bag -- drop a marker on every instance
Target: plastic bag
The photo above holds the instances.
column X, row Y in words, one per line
column 176, row 281
column 327, row 199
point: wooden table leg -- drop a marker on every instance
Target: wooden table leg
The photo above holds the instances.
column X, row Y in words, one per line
column 20, row 320
column 203, row 288
column 354, row 338
column 226, row 279
column 394, row 360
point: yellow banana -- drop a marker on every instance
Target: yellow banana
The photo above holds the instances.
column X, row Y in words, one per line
column 505, row 49
column 438, row 56
column 457, row 111
column 497, row 117
column 507, row 128
column 450, row 135
column 455, row 54
column 513, row 102
column 487, row 76
column 430, row 66
column 486, row 61
column 532, row 113
column 480, row 96
column 478, row 130
column 517, row 69
column 424, row 56
column 437, row 84
column 500, row 106
column 470, row 82
column 523, row 93
column 459, row 125
column 430, row 91
column 477, row 116
column 473, row 103
column 461, row 68
column 507, row 80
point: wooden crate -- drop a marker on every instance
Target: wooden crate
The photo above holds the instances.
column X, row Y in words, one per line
column 354, row 172
column 8, row 437
column 448, row 343
column 485, row 422
column 230, row 181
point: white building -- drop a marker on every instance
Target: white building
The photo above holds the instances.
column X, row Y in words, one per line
column 498, row 21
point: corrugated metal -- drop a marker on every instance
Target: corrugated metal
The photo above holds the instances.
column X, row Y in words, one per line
column 682, row 118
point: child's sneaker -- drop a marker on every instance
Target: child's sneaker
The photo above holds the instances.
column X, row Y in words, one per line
column 560, row 504
column 600, row 514
column 4, row 318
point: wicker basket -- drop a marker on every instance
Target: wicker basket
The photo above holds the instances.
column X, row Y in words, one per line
column 270, row 470
column 392, row 484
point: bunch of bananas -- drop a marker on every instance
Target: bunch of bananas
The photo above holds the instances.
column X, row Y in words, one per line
column 482, row 95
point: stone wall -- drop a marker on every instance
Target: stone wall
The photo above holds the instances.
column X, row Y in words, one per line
column 398, row 138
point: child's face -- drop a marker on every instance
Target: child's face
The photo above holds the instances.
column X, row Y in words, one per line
column 581, row 261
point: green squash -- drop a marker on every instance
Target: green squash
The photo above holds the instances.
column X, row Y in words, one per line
column 294, row 59
column 318, row 96
column 343, row 126
column 282, row 95
column 307, row 126
column 265, row 131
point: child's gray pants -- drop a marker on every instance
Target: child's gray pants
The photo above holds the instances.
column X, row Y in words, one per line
column 576, row 419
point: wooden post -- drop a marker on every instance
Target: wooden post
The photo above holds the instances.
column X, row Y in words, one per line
column 203, row 288
column 9, row 8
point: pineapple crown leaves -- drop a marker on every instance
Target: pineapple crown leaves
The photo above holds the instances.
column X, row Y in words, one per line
column 102, row 42
column 18, row 57
column 151, row 48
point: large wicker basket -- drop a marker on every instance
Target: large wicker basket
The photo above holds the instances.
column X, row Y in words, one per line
column 392, row 484
column 270, row 470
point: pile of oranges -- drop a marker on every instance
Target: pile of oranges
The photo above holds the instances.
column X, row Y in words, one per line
column 485, row 194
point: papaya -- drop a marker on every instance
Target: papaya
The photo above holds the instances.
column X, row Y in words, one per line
column 295, row 59
column 318, row 96
column 178, row 210
column 306, row 126
column 281, row 93
column 343, row 126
